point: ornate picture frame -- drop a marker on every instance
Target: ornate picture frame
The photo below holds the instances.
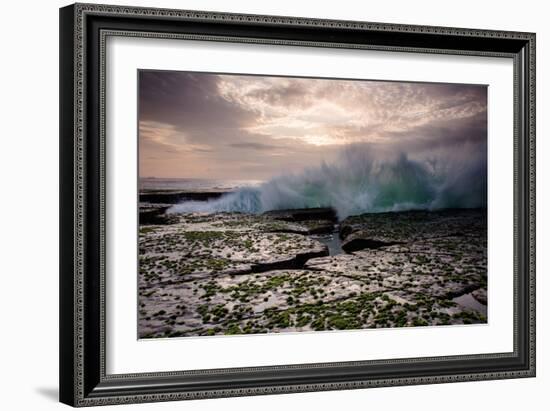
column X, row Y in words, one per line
column 84, row 30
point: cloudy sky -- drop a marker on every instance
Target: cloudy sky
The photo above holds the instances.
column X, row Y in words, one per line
column 199, row 125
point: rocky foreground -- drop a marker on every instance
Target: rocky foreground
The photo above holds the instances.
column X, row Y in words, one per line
column 231, row 273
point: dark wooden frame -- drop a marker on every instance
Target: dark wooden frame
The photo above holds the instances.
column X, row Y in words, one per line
column 83, row 30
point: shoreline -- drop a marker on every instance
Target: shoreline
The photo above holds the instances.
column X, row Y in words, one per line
column 176, row 196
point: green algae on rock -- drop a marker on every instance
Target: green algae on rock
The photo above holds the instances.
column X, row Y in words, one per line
column 235, row 273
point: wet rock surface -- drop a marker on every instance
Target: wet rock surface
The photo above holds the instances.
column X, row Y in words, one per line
column 303, row 214
column 155, row 214
column 175, row 196
column 230, row 273
column 480, row 295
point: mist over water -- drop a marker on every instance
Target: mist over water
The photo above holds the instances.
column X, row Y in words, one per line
column 366, row 178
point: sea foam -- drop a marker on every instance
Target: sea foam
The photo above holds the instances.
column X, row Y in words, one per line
column 367, row 179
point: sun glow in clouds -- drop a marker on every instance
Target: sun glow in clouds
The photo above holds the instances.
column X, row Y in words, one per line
column 284, row 123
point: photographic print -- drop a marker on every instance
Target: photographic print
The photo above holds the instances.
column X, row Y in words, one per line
column 274, row 204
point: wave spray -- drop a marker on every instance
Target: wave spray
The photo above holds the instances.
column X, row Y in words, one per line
column 365, row 179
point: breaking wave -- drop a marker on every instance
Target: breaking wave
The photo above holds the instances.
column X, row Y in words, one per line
column 365, row 179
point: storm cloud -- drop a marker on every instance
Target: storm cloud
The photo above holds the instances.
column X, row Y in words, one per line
column 201, row 125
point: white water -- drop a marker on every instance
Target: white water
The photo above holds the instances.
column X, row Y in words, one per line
column 365, row 179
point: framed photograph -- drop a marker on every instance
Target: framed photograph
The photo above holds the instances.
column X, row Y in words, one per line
column 261, row 204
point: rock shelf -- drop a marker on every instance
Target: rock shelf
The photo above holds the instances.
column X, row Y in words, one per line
column 232, row 273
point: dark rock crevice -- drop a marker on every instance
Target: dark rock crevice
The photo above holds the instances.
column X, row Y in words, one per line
column 359, row 243
column 295, row 263
column 466, row 290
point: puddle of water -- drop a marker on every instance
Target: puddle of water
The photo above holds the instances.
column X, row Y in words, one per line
column 468, row 301
column 332, row 241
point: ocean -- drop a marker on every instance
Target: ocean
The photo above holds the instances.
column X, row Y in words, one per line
column 194, row 185
column 360, row 181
